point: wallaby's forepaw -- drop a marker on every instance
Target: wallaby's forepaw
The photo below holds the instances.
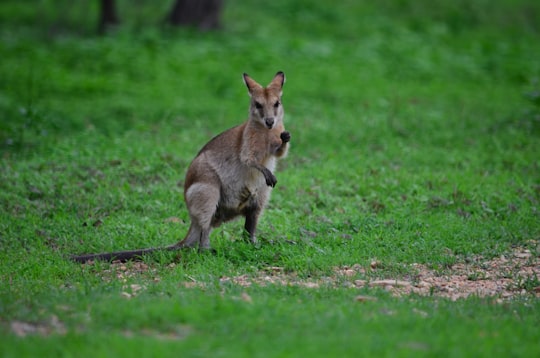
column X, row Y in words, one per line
column 270, row 178
column 285, row 137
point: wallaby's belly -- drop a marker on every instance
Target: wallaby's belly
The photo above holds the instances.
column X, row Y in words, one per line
column 242, row 188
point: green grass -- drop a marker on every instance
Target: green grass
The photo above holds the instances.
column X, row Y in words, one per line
column 415, row 139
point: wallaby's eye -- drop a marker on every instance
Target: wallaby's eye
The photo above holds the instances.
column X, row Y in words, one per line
column 276, row 105
column 258, row 105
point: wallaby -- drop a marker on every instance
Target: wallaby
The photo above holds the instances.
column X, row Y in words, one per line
column 232, row 175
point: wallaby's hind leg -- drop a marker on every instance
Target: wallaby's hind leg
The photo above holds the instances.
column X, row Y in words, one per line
column 252, row 218
column 202, row 200
column 191, row 239
column 195, row 237
column 252, row 213
column 204, row 240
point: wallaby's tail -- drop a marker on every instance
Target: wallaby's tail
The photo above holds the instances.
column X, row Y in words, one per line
column 121, row 255
column 192, row 239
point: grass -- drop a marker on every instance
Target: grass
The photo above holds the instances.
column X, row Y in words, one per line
column 415, row 139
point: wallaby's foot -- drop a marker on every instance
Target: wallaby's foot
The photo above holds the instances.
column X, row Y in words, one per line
column 252, row 240
column 250, row 237
column 285, row 136
column 207, row 250
column 256, row 243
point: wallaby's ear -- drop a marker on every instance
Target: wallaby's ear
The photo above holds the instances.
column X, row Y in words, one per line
column 250, row 83
column 277, row 82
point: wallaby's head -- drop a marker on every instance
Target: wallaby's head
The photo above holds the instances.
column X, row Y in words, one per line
column 266, row 107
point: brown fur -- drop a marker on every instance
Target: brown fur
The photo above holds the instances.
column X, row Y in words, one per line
column 232, row 175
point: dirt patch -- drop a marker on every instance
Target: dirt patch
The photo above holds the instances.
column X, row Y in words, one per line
column 508, row 276
column 505, row 277
column 44, row 329
column 515, row 274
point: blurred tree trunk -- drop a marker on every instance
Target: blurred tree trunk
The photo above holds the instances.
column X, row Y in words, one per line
column 203, row 14
column 108, row 15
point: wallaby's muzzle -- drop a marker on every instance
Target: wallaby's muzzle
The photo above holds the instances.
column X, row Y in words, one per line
column 269, row 122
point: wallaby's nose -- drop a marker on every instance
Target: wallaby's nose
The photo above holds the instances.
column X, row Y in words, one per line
column 269, row 121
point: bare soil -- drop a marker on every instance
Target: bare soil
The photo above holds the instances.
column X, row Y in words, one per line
column 513, row 275
column 508, row 276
